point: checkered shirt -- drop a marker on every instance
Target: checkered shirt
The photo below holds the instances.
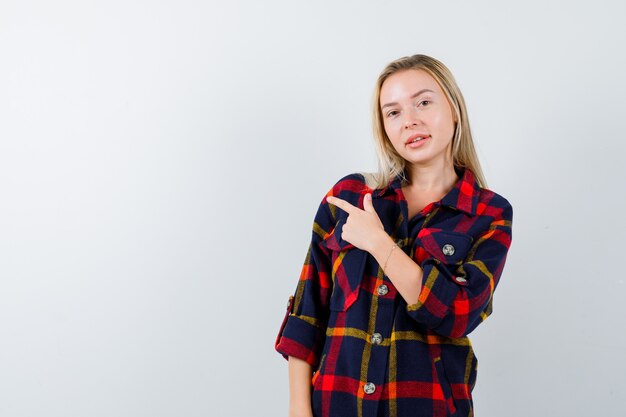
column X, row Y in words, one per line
column 374, row 355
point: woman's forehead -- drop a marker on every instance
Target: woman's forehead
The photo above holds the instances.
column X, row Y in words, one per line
column 406, row 83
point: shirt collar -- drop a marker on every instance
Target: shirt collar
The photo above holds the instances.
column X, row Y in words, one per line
column 463, row 196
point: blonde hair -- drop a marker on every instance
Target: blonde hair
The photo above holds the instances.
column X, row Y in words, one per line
column 390, row 163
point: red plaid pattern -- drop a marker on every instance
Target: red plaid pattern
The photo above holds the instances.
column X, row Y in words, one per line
column 374, row 355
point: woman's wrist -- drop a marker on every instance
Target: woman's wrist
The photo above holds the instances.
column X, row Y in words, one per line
column 381, row 246
column 405, row 274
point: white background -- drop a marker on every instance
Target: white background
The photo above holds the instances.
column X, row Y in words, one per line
column 161, row 163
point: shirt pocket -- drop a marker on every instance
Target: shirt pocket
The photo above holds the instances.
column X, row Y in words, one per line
column 450, row 248
column 347, row 268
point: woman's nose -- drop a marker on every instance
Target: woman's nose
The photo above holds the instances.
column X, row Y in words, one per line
column 411, row 120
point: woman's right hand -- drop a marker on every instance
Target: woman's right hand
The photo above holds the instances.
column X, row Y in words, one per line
column 300, row 374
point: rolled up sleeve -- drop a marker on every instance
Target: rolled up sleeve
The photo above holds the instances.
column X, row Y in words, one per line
column 303, row 330
column 453, row 303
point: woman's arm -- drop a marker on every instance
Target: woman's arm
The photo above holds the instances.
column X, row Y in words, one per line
column 401, row 269
column 452, row 305
column 300, row 374
column 365, row 230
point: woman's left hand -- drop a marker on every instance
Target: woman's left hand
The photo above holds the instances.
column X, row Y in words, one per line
column 362, row 226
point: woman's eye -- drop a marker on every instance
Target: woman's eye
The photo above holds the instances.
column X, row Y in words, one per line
column 424, row 102
column 392, row 113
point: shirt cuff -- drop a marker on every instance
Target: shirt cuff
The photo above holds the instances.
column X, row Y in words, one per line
column 301, row 338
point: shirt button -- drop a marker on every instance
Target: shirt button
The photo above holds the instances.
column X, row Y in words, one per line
column 461, row 280
column 377, row 338
column 369, row 388
column 448, row 249
column 382, row 289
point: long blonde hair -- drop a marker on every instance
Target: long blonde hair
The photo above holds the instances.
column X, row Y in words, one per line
column 390, row 163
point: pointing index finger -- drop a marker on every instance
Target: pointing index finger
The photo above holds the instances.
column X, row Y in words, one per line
column 342, row 204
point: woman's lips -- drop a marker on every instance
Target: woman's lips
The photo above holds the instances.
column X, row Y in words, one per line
column 418, row 143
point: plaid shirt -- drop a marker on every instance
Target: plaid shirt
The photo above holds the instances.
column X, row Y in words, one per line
column 372, row 354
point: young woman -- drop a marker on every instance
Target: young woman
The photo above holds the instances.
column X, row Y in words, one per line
column 402, row 264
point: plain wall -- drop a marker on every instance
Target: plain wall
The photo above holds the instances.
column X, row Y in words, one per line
column 161, row 163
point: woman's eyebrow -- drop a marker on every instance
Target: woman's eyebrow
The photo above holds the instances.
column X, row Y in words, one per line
column 422, row 91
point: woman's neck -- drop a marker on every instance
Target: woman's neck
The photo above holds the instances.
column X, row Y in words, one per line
column 432, row 179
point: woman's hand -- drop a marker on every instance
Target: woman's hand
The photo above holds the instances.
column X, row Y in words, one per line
column 363, row 227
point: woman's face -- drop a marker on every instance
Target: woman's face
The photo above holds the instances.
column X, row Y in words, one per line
column 413, row 106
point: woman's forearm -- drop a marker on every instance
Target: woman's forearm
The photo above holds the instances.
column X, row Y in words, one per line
column 300, row 374
column 401, row 269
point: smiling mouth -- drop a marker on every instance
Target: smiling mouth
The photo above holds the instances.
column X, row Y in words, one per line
column 417, row 139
